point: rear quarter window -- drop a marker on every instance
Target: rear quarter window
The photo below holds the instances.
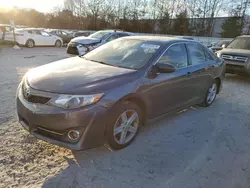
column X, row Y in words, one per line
column 210, row 55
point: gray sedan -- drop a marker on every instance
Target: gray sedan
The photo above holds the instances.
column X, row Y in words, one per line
column 108, row 94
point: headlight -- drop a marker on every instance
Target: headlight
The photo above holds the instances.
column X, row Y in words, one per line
column 75, row 101
column 217, row 53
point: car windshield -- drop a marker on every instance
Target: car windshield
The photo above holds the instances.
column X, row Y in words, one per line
column 126, row 53
column 99, row 34
column 240, row 43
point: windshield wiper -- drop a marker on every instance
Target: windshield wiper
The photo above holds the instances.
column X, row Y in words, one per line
column 101, row 62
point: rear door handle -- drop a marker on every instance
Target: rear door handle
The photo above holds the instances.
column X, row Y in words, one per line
column 189, row 74
column 212, row 66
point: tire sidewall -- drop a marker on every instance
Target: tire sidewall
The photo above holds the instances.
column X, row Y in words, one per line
column 114, row 115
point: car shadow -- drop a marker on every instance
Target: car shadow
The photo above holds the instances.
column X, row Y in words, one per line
column 238, row 78
column 149, row 155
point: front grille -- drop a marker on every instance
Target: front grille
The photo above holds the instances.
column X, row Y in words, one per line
column 37, row 99
column 72, row 50
column 234, row 66
column 234, row 58
column 33, row 98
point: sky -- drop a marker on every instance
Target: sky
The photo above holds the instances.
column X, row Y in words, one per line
column 40, row 5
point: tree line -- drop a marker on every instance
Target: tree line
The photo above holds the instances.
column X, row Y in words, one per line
column 179, row 17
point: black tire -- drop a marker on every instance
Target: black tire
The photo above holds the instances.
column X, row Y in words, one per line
column 30, row 43
column 58, row 44
column 117, row 111
column 206, row 102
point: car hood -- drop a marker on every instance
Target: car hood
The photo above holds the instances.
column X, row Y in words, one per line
column 77, row 76
column 239, row 52
column 85, row 40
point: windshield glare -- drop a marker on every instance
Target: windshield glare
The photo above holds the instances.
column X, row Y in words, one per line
column 127, row 53
column 220, row 43
column 240, row 43
column 99, row 34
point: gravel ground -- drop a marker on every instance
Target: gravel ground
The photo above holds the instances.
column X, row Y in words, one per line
column 198, row 148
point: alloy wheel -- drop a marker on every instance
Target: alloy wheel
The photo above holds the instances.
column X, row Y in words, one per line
column 126, row 127
column 58, row 43
column 211, row 93
column 30, row 44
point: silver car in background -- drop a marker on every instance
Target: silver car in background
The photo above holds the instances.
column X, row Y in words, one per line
column 82, row 45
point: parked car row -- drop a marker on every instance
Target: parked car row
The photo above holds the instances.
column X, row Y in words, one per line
column 32, row 37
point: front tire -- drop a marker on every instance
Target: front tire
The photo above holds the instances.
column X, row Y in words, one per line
column 124, row 125
column 211, row 94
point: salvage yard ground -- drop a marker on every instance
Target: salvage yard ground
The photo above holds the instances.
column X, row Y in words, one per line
column 198, row 148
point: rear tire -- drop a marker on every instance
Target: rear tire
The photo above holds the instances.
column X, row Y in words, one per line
column 58, row 44
column 30, row 43
column 122, row 129
column 211, row 94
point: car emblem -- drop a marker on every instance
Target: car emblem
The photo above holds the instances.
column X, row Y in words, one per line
column 26, row 92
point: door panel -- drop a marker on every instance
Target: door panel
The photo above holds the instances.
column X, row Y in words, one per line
column 171, row 91
column 200, row 79
column 48, row 40
column 37, row 37
column 201, row 69
column 39, row 40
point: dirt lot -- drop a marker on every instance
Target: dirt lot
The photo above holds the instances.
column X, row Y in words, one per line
column 198, row 148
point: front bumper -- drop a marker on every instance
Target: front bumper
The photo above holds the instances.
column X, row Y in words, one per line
column 235, row 67
column 72, row 50
column 52, row 124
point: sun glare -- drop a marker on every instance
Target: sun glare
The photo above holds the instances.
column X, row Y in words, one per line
column 44, row 6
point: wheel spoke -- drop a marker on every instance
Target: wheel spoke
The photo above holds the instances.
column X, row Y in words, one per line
column 132, row 129
column 211, row 93
column 132, row 118
column 124, row 118
column 123, row 137
column 214, row 87
column 118, row 130
column 126, row 127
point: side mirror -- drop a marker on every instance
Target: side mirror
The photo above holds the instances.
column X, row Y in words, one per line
column 165, row 68
column 223, row 46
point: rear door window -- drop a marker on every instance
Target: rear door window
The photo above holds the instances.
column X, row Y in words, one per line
column 196, row 53
column 209, row 55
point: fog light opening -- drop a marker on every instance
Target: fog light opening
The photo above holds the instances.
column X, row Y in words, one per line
column 73, row 135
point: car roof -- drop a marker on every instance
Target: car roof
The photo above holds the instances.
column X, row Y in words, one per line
column 161, row 39
column 28, row 29
column 116, row 31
